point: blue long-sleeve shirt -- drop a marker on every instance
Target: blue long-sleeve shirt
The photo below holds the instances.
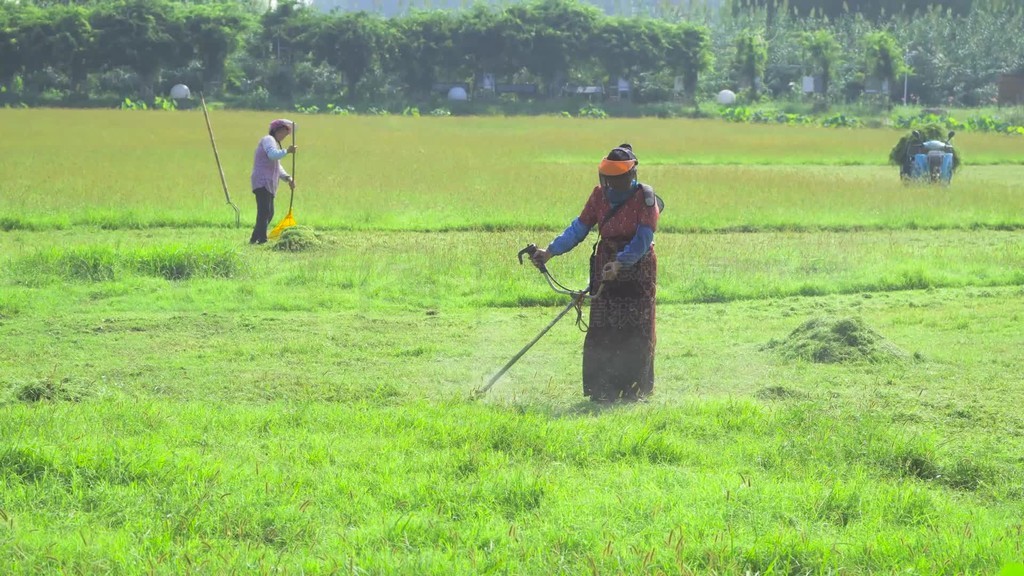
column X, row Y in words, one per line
column 567, row 240
column 577, row 232
column 637, row 247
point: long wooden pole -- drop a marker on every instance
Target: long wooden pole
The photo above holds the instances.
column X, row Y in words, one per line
column 216, row 155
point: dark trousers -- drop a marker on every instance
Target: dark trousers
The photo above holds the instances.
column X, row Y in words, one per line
column 264, row 214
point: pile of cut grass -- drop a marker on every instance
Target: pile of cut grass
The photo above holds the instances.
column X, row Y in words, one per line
column 299, row 239
column 832, row 340
column 930, row 132
column 49, row 389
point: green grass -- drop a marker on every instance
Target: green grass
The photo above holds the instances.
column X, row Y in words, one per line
column 173, row 400
column 118, row 170
column 414, row 269
column 710, row 486
column 101, row 263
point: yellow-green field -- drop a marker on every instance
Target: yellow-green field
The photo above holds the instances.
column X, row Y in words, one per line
column 124, row 170
column 174, row 400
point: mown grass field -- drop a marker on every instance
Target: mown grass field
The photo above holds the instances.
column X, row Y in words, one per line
column 173, row 400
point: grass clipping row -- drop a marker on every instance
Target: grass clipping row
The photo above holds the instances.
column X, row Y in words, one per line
column 833, row 340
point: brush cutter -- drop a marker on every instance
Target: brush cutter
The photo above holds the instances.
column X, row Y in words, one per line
column 288, row 221
column 578, row 296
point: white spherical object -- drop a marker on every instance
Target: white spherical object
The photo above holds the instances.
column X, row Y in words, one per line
column 179, row 91
column 458, row 93
column 726, row 97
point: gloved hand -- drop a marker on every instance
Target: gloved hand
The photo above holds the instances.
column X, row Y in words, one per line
column 611, row 271
column 540, row 257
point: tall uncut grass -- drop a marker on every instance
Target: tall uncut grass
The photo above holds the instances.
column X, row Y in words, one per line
column 360, row 270
column 100, row 263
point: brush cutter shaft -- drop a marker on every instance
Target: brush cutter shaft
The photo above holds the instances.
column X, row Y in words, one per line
column 578, row 296
column 574, row 303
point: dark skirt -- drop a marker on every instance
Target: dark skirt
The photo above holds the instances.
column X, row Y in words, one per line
column 618, row 353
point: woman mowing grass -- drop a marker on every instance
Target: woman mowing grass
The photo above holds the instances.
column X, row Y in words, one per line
column 618, row 353
column 266, row 172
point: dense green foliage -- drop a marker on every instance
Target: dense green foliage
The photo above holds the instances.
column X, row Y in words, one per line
column 869, row 8
column 102, row 52
column 898, row 154
column 750, row 59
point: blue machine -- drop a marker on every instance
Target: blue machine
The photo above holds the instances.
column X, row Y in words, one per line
column 928, row 161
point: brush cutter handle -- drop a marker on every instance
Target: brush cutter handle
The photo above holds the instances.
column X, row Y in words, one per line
column 530, row 250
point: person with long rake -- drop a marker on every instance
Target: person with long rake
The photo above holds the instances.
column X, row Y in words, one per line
column 618, row 351
column 267, row 171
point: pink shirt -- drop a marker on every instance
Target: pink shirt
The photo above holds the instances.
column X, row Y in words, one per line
column 266, row 165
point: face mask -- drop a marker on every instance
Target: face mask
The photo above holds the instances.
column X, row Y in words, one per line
column 606, row 183
column 619, row 196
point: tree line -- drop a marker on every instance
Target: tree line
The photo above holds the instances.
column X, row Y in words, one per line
column 78, row 51
column 876, row 9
